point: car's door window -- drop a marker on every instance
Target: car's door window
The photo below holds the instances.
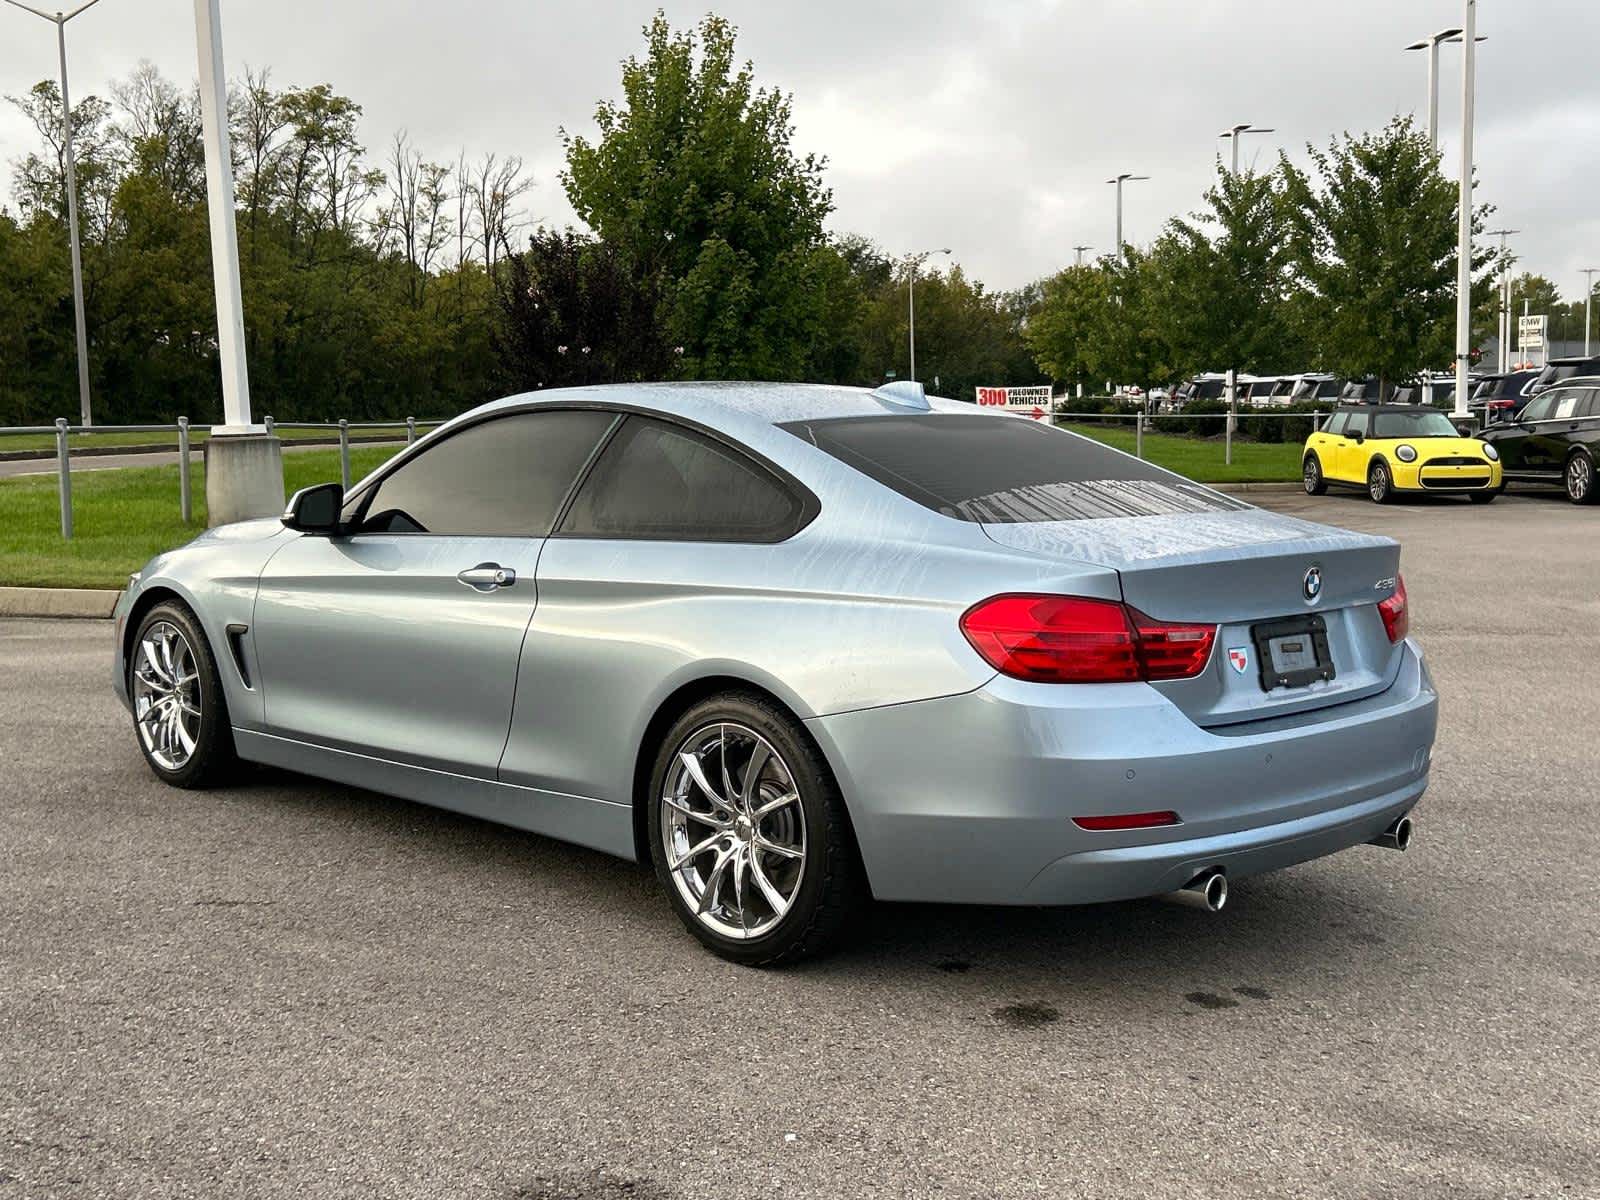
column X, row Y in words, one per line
column 1567, row 401
column 1589, row 406
column 1357, row 423
column 1537, row 409
column 505, row 477
column 656, row 480
column 1335, row 425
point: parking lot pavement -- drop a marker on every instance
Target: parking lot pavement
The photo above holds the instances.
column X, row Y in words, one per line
column 289, row 988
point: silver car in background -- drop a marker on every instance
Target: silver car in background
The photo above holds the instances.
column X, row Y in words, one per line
column 800, row 646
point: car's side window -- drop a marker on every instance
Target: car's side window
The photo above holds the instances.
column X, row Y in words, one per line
column 657, row 480
column 1356, row 423
column 1588, row 404
column 1567, row 404
column 1538, row 409
column 1335, row 425
column 506, row 476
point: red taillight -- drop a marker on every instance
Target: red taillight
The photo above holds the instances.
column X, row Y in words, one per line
column 1149, row 820
column 1396, row 613
column 1071, row 639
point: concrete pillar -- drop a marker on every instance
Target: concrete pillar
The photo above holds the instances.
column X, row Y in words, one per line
column 244, row 477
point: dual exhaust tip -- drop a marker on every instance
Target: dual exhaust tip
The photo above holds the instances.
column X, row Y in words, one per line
column 1209, row 889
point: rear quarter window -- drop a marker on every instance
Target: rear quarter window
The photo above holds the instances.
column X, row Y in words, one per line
column 1004, row 470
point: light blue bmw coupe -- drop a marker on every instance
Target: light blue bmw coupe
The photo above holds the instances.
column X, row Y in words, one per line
column 801, row 646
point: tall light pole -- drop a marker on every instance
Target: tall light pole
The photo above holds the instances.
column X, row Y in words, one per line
column 1588, row 303
column 1431, row 45
column 1469, row 50
column 244, row 463
column 59, row 20
column 1119, row 180
column 913, row 261
column 1080, row 250
column 1503, row 329
column 1233, row 136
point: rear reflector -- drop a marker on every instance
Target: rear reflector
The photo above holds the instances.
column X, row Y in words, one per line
column 1073, row 639
column 1149, row 820
column 1396, row 613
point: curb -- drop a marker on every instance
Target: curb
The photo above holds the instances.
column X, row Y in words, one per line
column 1256, row 487
column 90, row 603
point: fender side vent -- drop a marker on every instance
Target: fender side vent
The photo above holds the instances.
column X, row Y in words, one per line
column 236, row 648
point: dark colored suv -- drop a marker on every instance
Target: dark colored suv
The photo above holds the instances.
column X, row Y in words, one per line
column 1559, row 369
column 1498, row 397
column 1555, row 440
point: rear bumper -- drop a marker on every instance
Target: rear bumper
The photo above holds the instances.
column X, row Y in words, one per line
column 970, row 799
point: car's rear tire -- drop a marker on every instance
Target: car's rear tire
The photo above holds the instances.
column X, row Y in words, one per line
column 1579, row 477
column 1380, row 484
column 180, row 715
column 1311, row 475
column 761, row 867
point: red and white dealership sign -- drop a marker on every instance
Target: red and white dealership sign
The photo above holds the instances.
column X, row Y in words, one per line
column 1025, row 401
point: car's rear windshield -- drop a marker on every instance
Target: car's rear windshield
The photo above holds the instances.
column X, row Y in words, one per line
column 1426, row 423
column 1004, row 470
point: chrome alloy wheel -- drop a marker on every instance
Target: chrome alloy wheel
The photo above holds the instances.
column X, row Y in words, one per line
column 166, row 695
column 1580, row 478
column 733, row 830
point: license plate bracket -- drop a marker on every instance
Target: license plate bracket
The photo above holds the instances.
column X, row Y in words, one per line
column 1293, row 652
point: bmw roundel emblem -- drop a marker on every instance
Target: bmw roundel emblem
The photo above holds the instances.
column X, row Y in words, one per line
column 1312, row 584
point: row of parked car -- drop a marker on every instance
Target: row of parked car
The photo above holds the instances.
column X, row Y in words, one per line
column 1543, row 440
column 1494, row 396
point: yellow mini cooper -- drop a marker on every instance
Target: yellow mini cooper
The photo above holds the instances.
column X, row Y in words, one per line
column 1391, row 448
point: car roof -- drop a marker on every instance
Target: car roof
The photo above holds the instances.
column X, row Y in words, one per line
column 717, row 404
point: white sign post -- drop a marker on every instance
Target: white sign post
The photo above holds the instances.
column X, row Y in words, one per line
column 1034, row 402
column 1531, row 336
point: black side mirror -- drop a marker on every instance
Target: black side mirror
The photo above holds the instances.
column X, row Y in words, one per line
column 1358, row 437
column 316, row 509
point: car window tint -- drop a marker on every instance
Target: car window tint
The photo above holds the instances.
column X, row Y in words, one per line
column 1335, row 425
column 1566, row 404
column 662, row 481
column 1589, row 406
column 504, row 477
column 1356, row 423
column 1004, row 470
column 1538, row 408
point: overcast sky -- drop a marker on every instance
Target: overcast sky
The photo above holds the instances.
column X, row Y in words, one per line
column 987, row 126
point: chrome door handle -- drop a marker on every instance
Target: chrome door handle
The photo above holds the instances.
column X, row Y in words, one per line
column 486, row 577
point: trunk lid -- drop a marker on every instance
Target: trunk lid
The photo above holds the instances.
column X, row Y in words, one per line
column 1240, row 569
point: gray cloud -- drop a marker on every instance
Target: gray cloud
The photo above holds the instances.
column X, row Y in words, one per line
column 987, row 127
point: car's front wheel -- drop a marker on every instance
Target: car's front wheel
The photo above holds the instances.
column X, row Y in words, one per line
column 749, row 833
column 1380, row 484
column 1311, row 476
column 180, row 715
column 1580, row 480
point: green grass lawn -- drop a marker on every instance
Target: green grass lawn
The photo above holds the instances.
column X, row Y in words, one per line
column 123, row 517
column 1201, row 458
column 79, row 441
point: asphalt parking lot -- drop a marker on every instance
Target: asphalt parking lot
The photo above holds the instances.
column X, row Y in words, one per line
column 294, row 989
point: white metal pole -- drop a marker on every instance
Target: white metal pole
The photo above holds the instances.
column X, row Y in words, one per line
column 1235, row 140
column 219, row 200
column 1433, row 92
column 1588, row 303
column 1469, row 45
column 85, row 416
column 1119, row 220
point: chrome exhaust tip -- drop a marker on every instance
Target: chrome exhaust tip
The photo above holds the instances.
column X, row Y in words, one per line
column 1207, row 890
column 1396, row 837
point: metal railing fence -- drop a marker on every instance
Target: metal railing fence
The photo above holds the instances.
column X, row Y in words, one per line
column 182, row 429
column 1151, row 422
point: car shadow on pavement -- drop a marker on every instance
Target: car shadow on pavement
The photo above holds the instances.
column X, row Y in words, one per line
column 1276, row 928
